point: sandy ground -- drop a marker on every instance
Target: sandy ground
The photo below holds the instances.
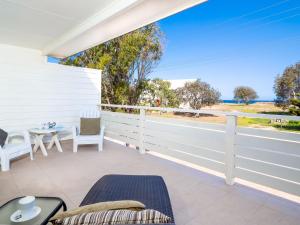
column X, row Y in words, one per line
column 252, row 108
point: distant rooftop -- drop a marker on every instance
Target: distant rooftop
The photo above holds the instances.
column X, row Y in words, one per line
column 180, row 82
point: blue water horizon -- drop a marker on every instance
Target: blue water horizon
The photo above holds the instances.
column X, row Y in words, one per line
column 251, row 102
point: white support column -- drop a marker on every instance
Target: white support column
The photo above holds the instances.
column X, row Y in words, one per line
column 141, row 131
column 230, row 148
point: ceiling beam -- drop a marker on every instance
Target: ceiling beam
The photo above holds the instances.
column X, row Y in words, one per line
column 121, row 17
column 113, row 9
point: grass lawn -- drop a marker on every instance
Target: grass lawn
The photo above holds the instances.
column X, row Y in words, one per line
column 263, row 123
column 263, row 108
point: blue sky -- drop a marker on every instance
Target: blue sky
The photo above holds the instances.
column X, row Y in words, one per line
column 233, row 42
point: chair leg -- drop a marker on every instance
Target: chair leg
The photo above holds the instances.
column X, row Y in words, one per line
column 4, row 164
column 75, row 146
column 31, row 155
column 100, row 147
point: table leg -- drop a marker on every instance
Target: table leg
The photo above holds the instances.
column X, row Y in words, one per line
column 55, row 137
column 51, row 143
column 42, row 146
column 64, row 206
column 38, row 143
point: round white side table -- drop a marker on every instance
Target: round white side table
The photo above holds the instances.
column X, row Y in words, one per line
column 38, row 139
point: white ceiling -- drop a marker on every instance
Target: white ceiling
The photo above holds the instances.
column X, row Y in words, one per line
column 34, row 23
column 65, row 27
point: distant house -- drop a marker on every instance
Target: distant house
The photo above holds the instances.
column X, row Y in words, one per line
column 146, row 97
column 179, row 82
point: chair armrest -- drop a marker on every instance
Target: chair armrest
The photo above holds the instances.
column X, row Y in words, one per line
column 24, row 134
column 15, row 133
column 75, row 131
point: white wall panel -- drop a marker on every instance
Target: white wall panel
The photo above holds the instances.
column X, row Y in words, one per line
column 33, row 91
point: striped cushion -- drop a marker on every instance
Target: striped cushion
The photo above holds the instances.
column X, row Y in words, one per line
column 148, row 216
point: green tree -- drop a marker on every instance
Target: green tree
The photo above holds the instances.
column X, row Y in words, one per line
column 287, row 86
column 198, row 94
column 244, row 94
column 125, row 62
column 294, row 107
column 159, row 93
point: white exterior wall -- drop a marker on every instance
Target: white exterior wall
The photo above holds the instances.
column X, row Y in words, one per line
column 33, row 91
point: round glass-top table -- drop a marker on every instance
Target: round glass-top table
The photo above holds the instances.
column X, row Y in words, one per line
column 49, row 207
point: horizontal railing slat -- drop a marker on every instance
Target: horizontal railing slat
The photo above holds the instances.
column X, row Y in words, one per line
column 189, row 138
column 281, row 135
column 269, row 169
column 185, row 123
column 194, row 150
column 120, row 137
column 286, row 146
column 268, row 181
column 121, row 126
column 177, row 127
column 186, row 157
column 128, row 134
column 123, row 115
column 269, row 156
column 120, row 120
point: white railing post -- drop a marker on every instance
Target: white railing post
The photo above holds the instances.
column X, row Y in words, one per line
column 141, row 131
column 230, row 148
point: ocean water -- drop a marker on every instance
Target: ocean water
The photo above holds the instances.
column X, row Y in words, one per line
column 251, row 102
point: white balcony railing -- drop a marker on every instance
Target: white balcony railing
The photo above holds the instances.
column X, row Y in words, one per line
column 269, row 158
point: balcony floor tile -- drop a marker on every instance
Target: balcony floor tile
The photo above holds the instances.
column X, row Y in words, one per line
column 197, row 197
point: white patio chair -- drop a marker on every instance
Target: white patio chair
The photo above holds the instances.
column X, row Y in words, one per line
column 88, row 139
column 11, row 150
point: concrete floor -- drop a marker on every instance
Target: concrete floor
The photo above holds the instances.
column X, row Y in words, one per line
column 197, row 198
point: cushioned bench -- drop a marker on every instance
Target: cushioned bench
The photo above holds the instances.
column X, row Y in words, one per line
column 150, row 190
